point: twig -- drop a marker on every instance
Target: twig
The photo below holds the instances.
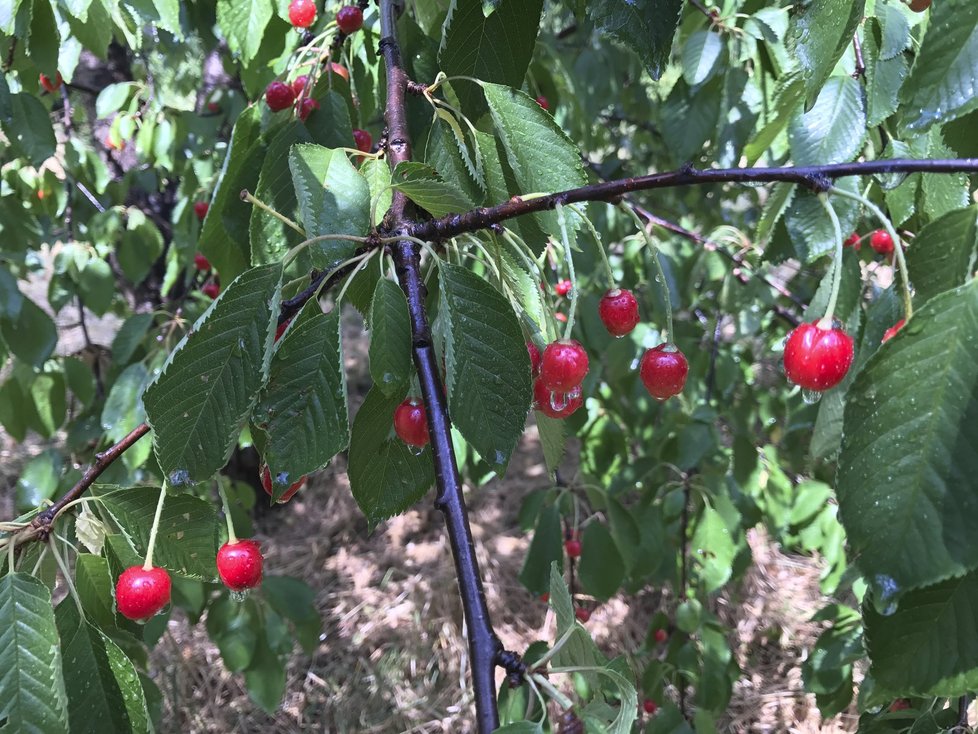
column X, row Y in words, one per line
column 96, row 368
column 860, row 69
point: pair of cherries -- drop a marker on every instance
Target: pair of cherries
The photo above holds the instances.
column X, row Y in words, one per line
column 880, row 241
column 302, row 14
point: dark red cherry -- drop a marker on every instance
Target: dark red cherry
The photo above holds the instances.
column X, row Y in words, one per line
column 582, row 614
column 364, row 140
column 881, row 241
column 410, row 422
column 816, row 358
column 201, row 262
column 563, row 287
column 240, row 564
column 299, row 85
column 200, row 209
column 349, row 19
column 543, row 102
column 266, row 484
column 573, row 548
column 663, row 370
column 141, row 593
column 618, row 310
column 852, row 240
column 649, row 706
column 211, row 290
column 306, row 107
column 661, row 635
column 535, row 358
column 279, row 96
column 564, row 365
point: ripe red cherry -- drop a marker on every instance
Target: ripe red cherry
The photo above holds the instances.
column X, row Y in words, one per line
column 349, row 19
column 51, row 86
column 201, row 262
column 543, row 102
column 239, row 565
column 564, row 365
column 306, row 108
column 213, row 107
column 545, row 399
column 892, row 331
column 663, row 370
column 649, row 706
column 299, row 85
column 881, row 241
column 919, row 6
column 535, row 358
column 211, row 290
column 582, row 614
column 660, row 635
column 545, row 598
column 618, row 310
column 266, row 484
column 816, row 358
column 410, row 422
column 339, row 70
column 573, row 548
column 279, row 96
column 302, row 13
column 200, row 209
column 141, row 593
column 280, row 329
column 364, row 141
column 852, row 240
column 563, row 287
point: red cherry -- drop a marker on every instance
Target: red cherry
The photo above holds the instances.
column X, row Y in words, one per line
column 881, row 241
column 51, row 86
column 239, row 565
column 302, row 13
column 582, row 614
column 201, row 262
column 299, row 85
column 211, row 290
column 141, row 593
column 280, row 329
column 817, row 358
column 213, row 107
column 306, row 108
column 339, row 70
column 649, row 706
column 573, row 548
column 40, row 194
column 564, row 365
column 561, row 317
column 279, row 96
column 200, row 209
column 349, row 19
column 663, row 370
column 535, row 357
column 852, row 240
column 900, row 704
column 919, row 6
column 112, row 145
column 410, row 422
column 364, row 141
column 545, row 399
column 266, row 484
column 618, row 310
column 660, row 635
column 563, row 287
column 545, row 598
column 892, row 331
column 543, row 102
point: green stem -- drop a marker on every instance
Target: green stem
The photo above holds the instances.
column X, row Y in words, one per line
column 660, row 275
column 555, row 649
column 897, row 244
column 148, row 563
column 826, row 321
column 291, row 254
column 569, row 257
column 232, row 538
column 250, row 198
column 562, row 700
column 360, row 266
column 53, row 545
column 612, row 283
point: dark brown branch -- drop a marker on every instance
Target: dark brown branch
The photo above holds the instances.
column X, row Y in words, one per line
column 817, row 178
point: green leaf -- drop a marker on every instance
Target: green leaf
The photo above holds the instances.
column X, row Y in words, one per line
column 29, row 129
column 390, row 339
column 39, row 480
column 886, row 65
column 497, row 48
column 114, row 97
column 943, row 193
column 546, row 548
column 94, row 585
column 80, row 380
column 646, row 27
column 378, row 176
column 942, row 82
column 202, row 399
column 691, row 117
column 810, row 227
column 601, row 568
column 123, row 409
column 11, row 299
column 333, row 199
column 243, row 23
column 48, row 393
column 96, row 283
column 702, row 54
column 33, row 336
column 553, row 439
column 774, row 208
column 832, row 130
column 265, row 677
column 489, row 388
column 8, row 14
column 943, row 253
column 104, row 692
column 909, row 463
column 32, row 689
column 386, row 475
column 296, row 601
column 713, row 550
column 820, row 34
column 130, row 336
column 448, row 153
column 186, row 542
column 422, row 185
column 141, row 245
column 234, row 627
column 788, row 96
column 303, row 409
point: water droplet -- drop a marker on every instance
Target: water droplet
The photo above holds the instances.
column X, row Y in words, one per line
column 282, row 478
column 500, row 457
column 559, row 401
column 415, row 450
column 179, row 477
column 886, row 591
column 811, row 396
column 239, row 596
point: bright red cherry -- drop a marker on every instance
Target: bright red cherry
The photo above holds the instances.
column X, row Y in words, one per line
column 573, row 548
column 852, row 240
column 660, row 635
column 881, row 241
column 649, row 706
column 51, row 86
column 892, row 331
column 201, row 262
column 279, row 96
column 543, row 102
column 280, row 329
column 618, row 310
column 299, row 85
column 544, row 400
column 564, row 365
column 211, row 290
column 141, row 593
column 306, row 107
column 200, row 209
column 349, row 19
column 239, row 565
column 410, row 422
column 339, row 70
column 663, row 370
column 266, row 484
column 561, row 317
column 582, row 614
column 364, row 141
column 535, row 358
column 302, row 13
column 563, row 287
column 816, row 358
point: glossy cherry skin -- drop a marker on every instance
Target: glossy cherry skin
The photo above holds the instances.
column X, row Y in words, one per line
column 544, row 400
column 892, row 331
column 573, row 548
column 852, row 240
column 140, row 593
column 200, row 209
column 817, row 358
column 279, row 96
column 410, row 423
column 881, row 241
column 618, row 310
column 299, row 85
column 240, row 564
column 201, row 262
column 306, row 107
column 582, row 614
column 50, row 86
column 535, row 358
column 663, row 370
column 543, row 102
column 211, row 290
column 649, row 706
column 563, row 287
column 349, row 19
column 266, row 484
column 302, row 13
column 564, row 365
column 364, row 140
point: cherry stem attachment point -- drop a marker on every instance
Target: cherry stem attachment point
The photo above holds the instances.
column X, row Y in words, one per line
column 569, row 257
column 232, row 538
column 660, row 275
column 148, row 563
column 826, row 321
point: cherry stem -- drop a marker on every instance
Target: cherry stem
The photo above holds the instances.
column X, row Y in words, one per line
column 250, row 198
column 612, row 283
column 232, row 538
column 360, row 266
column 53, row 545
column 291, row 254
column 148, row 563
column 897, row 244
column 826, row 321
column 569, row 257
column 660, row 275
column 556, row 648
column 551, row 690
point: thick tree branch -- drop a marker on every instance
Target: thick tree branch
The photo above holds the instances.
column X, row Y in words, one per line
column 818, row 178
column 484, row 647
